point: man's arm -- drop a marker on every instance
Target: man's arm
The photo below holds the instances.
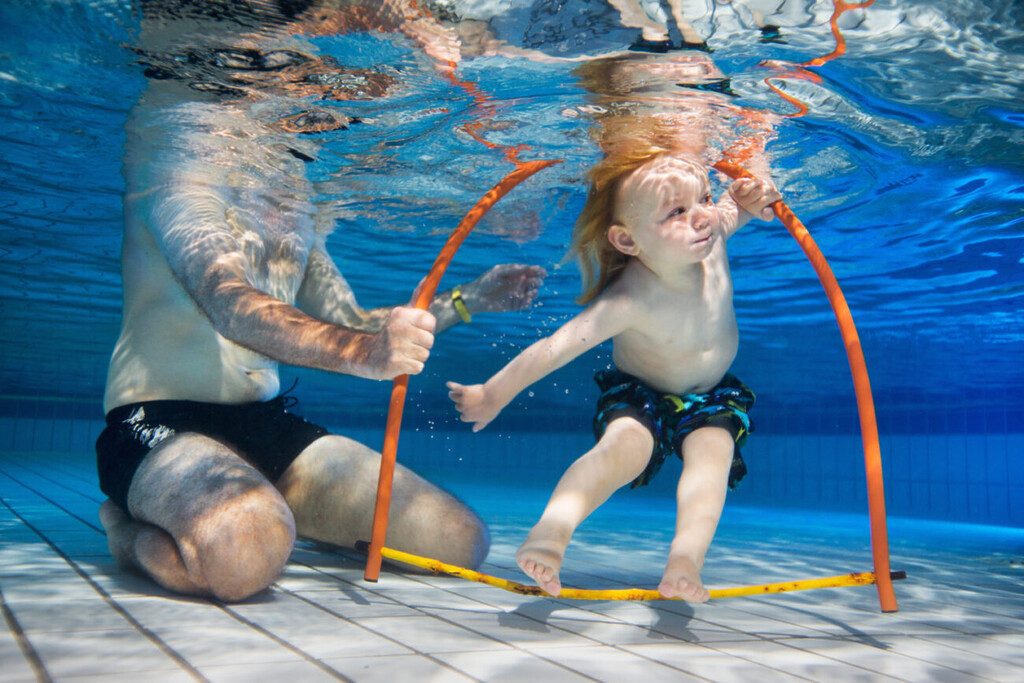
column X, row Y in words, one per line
column 326, row 295
column 604, row 318
column 209, row 261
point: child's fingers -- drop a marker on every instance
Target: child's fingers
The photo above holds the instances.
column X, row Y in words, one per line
column 456, row 393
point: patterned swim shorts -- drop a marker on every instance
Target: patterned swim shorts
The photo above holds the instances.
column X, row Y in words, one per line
column 670, row 417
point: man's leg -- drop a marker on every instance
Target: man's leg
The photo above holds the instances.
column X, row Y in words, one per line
column 204, row 522
column 332, row 487
column 707, row 457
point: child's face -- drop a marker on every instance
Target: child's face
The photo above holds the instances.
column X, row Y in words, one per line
column 667, row 212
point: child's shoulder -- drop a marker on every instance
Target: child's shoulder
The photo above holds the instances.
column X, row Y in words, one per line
column 624, row 295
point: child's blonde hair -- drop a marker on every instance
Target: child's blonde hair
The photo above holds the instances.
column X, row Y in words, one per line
column 629, row 144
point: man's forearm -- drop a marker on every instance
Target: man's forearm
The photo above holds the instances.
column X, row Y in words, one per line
column 260, row 322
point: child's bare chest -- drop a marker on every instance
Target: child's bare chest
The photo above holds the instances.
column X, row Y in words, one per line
column 686, row 325
column 682, row 340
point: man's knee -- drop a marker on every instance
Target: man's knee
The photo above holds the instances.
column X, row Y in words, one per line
column 232, row 528
column 242, row 546
column 466, row 539
column 332, row 486
column 426, row 520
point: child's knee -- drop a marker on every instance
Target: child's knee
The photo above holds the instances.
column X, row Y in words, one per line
column 632, row 443
column 709, row 443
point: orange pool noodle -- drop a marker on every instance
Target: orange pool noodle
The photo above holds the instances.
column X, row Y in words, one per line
column 861, row 385
column 389, row 454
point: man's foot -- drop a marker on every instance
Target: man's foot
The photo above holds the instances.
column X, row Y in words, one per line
column 140, row 547
column 540, row 557
column 121, row 532
column 682, row 580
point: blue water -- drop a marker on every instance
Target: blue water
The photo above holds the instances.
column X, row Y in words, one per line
column 907, row 169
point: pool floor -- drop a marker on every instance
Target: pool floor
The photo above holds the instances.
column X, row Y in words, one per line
column 71, row 614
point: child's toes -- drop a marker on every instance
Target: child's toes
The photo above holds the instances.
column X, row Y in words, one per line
column 552, row 585
column 694, row 593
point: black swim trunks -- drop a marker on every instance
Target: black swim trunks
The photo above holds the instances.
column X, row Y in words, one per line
column 264, row 433
column 670, row 417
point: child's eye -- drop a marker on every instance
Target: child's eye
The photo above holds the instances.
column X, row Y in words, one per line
column 706, row 199
column 678, row 211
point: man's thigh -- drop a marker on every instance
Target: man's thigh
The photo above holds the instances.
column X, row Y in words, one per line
column 232, row 530
column 332, row 487
column 189, row 478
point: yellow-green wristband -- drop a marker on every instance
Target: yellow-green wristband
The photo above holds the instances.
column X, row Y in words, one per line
column 460, row 305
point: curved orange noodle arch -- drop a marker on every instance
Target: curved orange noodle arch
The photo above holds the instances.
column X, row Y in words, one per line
column 861, row 385
column 389, row 453
column 882, row 575
column 838, row 8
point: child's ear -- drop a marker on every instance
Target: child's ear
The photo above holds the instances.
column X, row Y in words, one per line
column 620, row 238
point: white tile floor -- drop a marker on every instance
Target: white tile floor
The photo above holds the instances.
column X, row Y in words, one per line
column 70, row 614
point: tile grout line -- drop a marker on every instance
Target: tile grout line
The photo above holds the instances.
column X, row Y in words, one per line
column 439, row 618
column 903, row 654
column 54, row 503
column 978, row 610
column 816, row 630
column 29, row 652
column 236, row 616
column 655, row 630
column 7, row 462
column 930, row 611
column 534, row 619
column 139, row 626
column 175, row 656
column 665, row 633
column 71, row 472
column 366, row 628
column 281, row 641
column 952, row 631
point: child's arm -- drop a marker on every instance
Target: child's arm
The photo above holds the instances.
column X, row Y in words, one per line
column 747, row 198
column 603, row 319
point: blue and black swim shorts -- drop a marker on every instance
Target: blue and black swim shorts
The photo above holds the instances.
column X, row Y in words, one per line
column 671, row 417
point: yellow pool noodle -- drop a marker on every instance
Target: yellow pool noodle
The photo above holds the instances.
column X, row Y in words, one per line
column 438, row 567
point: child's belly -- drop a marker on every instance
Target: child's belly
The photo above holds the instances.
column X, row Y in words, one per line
column 678, row 370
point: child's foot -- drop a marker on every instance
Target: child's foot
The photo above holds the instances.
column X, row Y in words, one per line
column 682, row 580
column 540, row 557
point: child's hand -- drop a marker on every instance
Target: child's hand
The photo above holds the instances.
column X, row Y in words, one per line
column 755, row 196
column 473, row 404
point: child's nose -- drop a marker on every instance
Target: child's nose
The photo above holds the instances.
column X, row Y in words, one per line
column 701, row 218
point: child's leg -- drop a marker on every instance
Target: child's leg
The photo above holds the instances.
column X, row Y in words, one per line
column 618, row 458
column 707, row 458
